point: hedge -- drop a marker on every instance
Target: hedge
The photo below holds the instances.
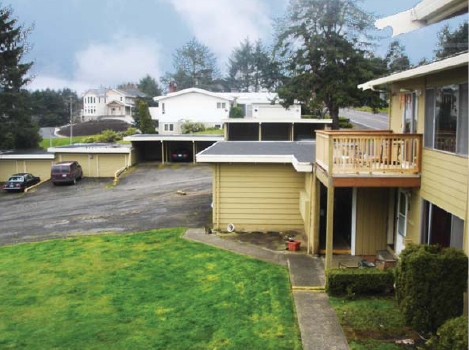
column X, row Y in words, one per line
column 430, row 283
column 452, row 335
column 358, row 281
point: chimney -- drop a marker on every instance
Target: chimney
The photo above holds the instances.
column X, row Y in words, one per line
column 172, row 86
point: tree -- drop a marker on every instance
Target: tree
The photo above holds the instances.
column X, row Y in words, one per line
column 323, row 44
column 145, row 123
column 127, row 86
column 51, row 107
column 450, row 43
column 16, row 127
column 396, row 59
column 250, row 68
column 149, row 86
column 194, row 66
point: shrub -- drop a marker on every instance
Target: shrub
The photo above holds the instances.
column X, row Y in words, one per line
column 107, row 136
column 236, row 112
column 359, row 281
column 89, row 139
column 190, row 127
column 452, row 335
column 130, row 131
column 430, row 283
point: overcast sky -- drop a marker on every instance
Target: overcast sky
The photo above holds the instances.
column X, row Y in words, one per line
column 84, row 44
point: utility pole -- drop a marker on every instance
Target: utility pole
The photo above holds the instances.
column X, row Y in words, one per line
column 71, row 121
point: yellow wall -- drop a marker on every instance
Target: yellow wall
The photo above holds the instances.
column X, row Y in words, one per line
column 444, row 176
column 257, row 197
column 38, row 167
column 372, row 220
column 444, row 181
column 97, row 165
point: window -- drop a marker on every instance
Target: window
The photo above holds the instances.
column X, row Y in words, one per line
column 446, row 124
column 168, row 127
column 441, row 227
column 221, row 105
column 162, row 108
column 171, row 127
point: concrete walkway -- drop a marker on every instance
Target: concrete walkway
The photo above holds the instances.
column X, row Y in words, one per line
column 319, row 325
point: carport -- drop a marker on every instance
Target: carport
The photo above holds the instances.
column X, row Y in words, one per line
column 153, row 147
column 251, row 129
column 37, row 162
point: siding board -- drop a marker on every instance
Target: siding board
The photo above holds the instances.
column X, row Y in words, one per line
column 444, row 181
column 259, row 196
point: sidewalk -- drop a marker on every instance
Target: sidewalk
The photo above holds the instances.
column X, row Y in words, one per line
column 319, row 325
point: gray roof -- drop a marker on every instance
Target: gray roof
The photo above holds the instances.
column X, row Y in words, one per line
column 304, row 151
column 25, row 152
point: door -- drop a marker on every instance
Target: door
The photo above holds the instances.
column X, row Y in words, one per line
column 401, row 220
column 409, row 126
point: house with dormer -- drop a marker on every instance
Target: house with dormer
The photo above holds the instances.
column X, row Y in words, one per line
column 106, row 103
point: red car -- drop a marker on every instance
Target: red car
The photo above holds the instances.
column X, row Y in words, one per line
column 66, row 172
column 20, row 181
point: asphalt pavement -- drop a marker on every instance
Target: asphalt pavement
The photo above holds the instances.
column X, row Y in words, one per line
column 366, row 120
column 147, row 197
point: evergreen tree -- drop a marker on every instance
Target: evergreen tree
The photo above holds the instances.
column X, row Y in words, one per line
column 323, row 44
column 16, row 127
column 51, row 107
column 396, row 58
column 251, row 68
column 450, row 43
column 145, row 123
column 149, row 86
column 194, row 66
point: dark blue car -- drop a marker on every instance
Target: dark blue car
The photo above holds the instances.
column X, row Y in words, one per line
column 20, row 181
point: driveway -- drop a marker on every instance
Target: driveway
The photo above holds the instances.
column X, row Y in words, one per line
column 146, row 197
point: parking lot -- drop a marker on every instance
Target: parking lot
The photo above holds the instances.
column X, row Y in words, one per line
column 147, row 197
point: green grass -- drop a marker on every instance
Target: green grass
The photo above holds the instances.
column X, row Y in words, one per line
column 372, row 323
column 210, row 132
column 60, row 141
column 149, row 290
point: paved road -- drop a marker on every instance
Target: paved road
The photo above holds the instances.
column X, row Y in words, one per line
column 47, row 133
column 144, row 199
column 366, row 120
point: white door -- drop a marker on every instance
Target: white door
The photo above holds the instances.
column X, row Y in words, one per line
column 401, row 221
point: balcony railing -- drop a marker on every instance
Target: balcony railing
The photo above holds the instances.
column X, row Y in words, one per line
column 374, row 152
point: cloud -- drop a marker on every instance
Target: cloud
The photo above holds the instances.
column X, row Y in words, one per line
column 223, row 24
column 120, row 61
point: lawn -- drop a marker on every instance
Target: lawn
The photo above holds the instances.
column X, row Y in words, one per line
column 149, row 290
column 372, row 323
column 60, row 141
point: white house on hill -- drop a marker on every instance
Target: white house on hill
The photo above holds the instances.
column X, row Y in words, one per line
column 212, row 108
column 109, row 104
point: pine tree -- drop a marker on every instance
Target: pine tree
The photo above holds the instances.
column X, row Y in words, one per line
column 16, row 127
column 324, row 46
column 452, row 42
column 144, row 118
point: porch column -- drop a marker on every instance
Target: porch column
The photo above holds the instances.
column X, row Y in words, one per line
column 260, row 131
column 316, row 208
column 329, row 225
column 225, row 131
column 314, row 215
column 194, row 151
column 162, row 152
column 292, row 132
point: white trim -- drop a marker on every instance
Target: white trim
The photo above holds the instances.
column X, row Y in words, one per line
column 91, row 149
column 423, row 14
column 285, row 121
column 174, row 138
column 27, row 156
column 191, row 90
column 438, row 66
column 272, row 159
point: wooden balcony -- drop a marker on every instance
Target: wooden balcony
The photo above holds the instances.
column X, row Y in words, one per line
column 375, row 158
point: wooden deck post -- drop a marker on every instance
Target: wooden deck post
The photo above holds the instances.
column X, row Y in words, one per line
column 316, row 188
column 329, row 225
